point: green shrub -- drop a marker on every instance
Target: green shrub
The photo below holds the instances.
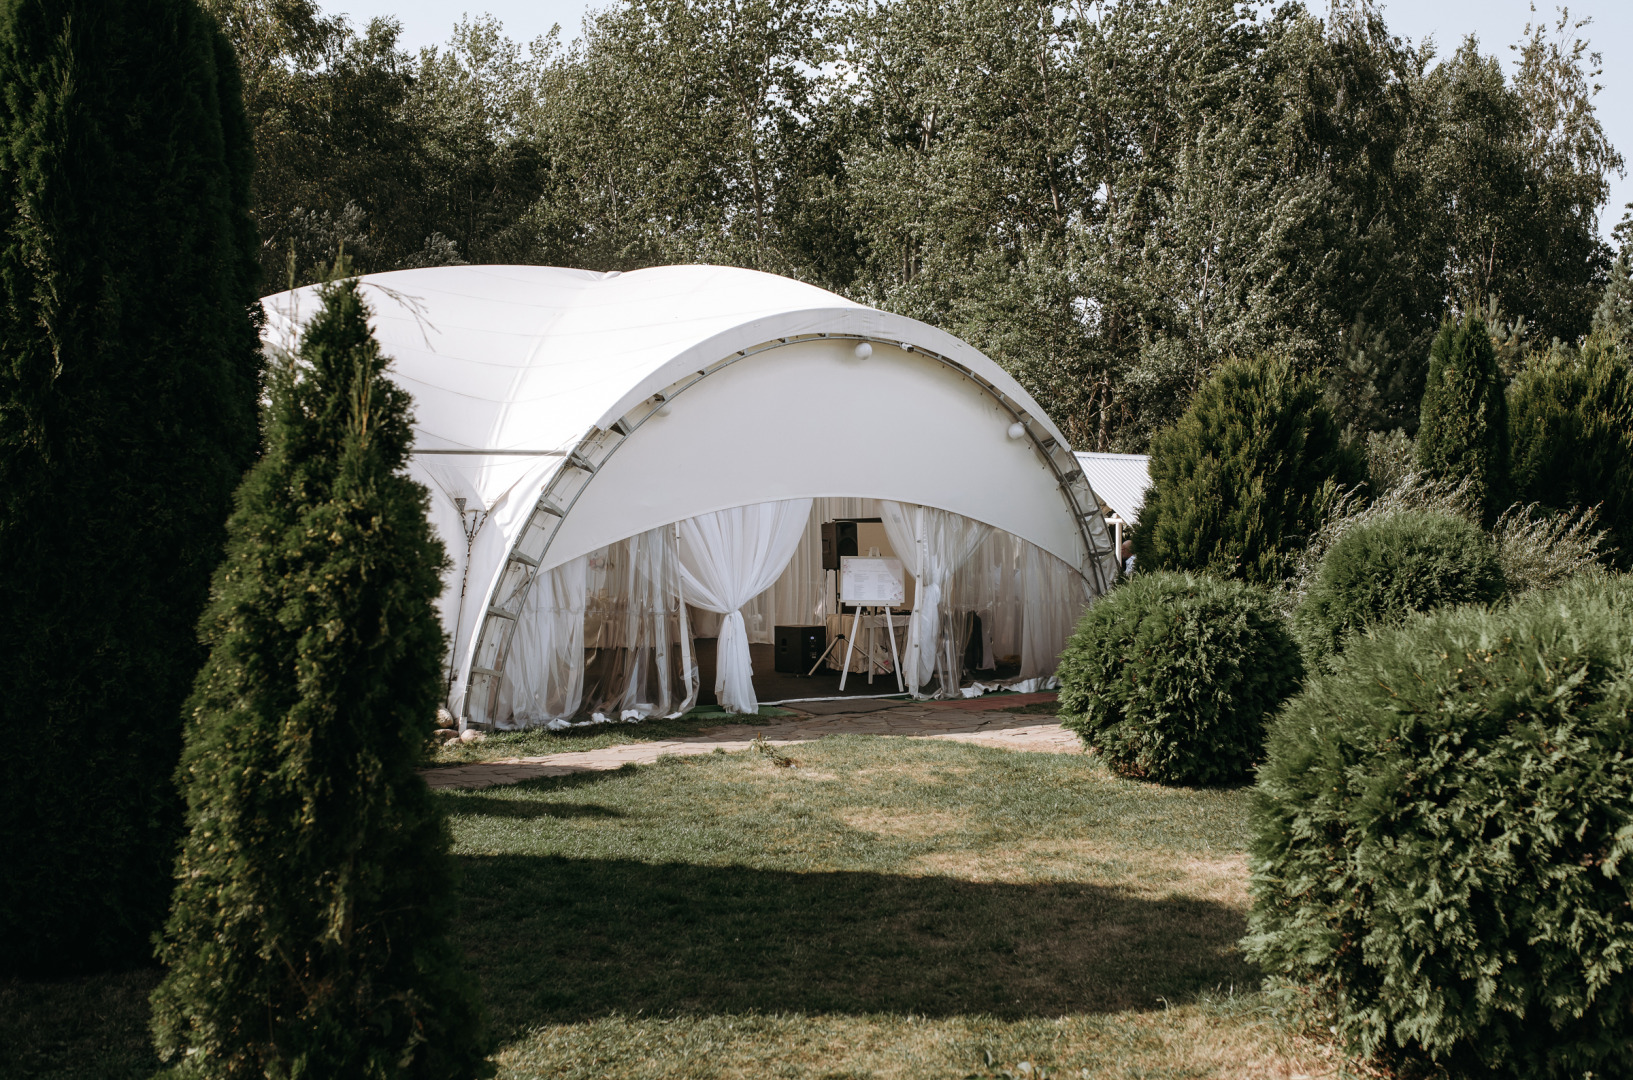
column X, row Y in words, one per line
column 129, row 377
column 1443, row 827
column 1384, row 570
column 1613, row 319
column 309, row 934
column 1391, row 458
column 1171, row 677
column 1244, row 476
column 1463, row 417
column 1571, row 418
column 1542, row 549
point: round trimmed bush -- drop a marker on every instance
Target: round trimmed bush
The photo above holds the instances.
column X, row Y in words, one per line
column 1443, row 831
column 1384, row 570
column 1171, row 677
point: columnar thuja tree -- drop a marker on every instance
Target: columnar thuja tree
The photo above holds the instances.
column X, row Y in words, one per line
column 314, row 891
column 129, row 373
column 1571, row 422
column 1242, row 478
column 1463, row 417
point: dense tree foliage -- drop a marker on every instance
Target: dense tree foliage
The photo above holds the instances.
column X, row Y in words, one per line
column 1441, row 849
column 1109, row 198
column 1463, row 417
column 1245, row 476
column 129, row 370
column 1171, row 677
column 1382, row 571
column 314, row 893
column 1571, row 418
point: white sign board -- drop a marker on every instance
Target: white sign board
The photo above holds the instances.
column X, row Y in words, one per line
column 871, row 582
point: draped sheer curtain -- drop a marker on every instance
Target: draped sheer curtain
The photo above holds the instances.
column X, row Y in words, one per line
column 726, row 559
column 933, row 546
column 604, row 633
column 990, row 587
column 1053, row 596
column 638, row 647
column 799, row 596
column 610, row 633
column 544, row 679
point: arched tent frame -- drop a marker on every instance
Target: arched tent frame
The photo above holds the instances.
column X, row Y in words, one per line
column 562, row 521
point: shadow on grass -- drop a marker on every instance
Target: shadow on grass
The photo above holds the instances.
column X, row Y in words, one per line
column 93, row 1027
column 560, row 940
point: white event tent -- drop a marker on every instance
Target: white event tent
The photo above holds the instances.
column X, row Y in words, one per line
column 622, row 464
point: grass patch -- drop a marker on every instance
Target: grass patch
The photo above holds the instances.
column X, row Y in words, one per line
column 91, row 1028
column 1037, row 708
column 882, row 908
column 1225, row 1035
column 537, row 742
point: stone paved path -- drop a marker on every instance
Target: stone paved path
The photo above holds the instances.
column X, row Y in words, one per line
column 954, row 721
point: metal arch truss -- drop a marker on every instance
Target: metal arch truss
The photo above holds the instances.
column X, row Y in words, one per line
column 568, row 484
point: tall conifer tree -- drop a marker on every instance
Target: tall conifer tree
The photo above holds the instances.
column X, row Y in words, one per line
column 314, row 892
column 1613, row 319
column 129, row 372
column 1241, row 480
column 1571, row 423
column 1463, row 418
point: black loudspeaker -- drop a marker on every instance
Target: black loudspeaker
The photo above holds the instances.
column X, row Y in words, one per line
column 838, row 538
column 797, row 648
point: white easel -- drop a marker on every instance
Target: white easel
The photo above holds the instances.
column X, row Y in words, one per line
column 872, row 585
column 872, row 661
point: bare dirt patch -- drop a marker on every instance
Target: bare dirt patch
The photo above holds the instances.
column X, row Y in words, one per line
column 919, row 772
column 1221, row 878
column 883, row 821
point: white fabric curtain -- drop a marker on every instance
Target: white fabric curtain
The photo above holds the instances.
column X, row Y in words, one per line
column 639, row 646
column 1053, row 598
column 933, row 545
column 726, row 559
column 544, row 678
column 841, row 507
column 799, row 597
column 796, row 597
column 990, row 587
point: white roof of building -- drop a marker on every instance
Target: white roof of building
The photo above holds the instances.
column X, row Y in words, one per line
column 1121, row 481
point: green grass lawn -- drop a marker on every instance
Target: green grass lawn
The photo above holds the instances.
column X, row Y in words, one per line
column 886, row 907
column 883, row 908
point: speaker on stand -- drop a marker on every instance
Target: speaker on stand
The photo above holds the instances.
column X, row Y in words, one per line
column 838, row 540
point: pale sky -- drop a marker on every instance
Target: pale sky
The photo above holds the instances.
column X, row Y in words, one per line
column 1497, row 23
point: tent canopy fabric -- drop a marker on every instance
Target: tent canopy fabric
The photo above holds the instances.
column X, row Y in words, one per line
column 1121, row 481
column 558, row 411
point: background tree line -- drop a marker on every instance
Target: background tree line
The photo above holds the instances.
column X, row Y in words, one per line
column 1108, row 198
